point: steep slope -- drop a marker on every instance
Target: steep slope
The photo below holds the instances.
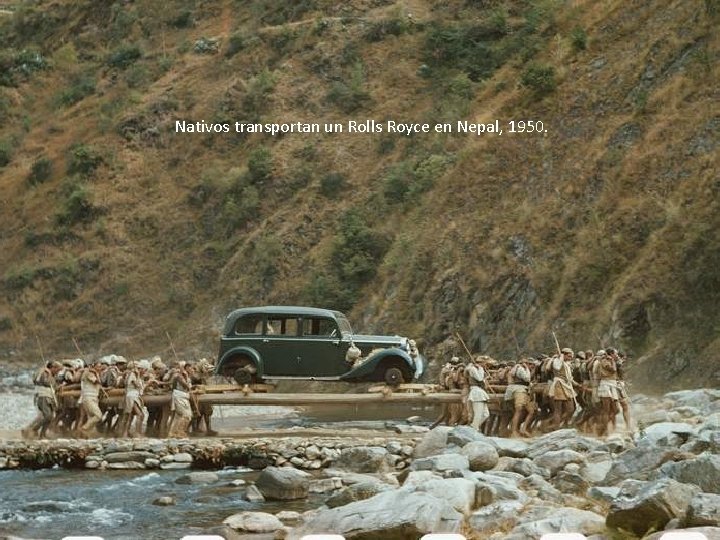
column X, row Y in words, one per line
column 116, row 229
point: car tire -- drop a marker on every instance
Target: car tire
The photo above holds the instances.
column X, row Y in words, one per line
column 394, row 376
column 243, row 376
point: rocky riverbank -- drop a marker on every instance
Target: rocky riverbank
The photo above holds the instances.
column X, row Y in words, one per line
column 665, row 476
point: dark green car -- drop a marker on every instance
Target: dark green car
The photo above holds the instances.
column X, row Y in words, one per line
column 285, row 342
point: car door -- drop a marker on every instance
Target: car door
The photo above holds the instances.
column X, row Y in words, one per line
column 280, row 342
column 323, row 348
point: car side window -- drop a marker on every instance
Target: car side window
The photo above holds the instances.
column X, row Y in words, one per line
column 249, row 325
column 282, row 326
column 313, row 326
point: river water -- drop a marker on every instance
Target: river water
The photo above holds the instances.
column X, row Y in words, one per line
column 117, row 504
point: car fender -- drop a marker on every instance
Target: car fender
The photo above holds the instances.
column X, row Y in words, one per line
column 247, row 351
column 371, row 363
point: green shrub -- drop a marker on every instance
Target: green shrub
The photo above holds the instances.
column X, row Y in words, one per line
column 351, row 95
column 236, row 43
column 184, row 19
column 406, row 181
column 539, row 78
column 397, row 182
column 77, row 206
column 83, row 160
column 379, row 30
column 78, row 88
column 469, row 48
column 137, row 76
column 332, row 184
column 20, row 278
column 712, row 7
column 21, row 63
column 124, row 56
column 40, row 171
column 260, row 165
column 578, row 38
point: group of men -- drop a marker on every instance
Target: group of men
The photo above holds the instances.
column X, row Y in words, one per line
column 585, row 389
column 68, row 398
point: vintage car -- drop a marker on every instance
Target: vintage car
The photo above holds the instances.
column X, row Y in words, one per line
column 285, row 342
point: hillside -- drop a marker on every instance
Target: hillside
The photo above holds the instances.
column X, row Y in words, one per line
column 115, row 229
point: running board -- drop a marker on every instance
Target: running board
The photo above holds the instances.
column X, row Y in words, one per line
column 291, row 378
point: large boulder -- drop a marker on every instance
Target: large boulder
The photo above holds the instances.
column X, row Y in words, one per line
column 440, row 463
column 365, row 459
column 562, row 439
column 537, row 486
column 491, row 487
column 569, row 482
column 704, row 399
column 254, row 522
column 433, row 442
column 462, row 435
column 645, row 506
column 666, row 433
column 709, row 533
column 509, row 447
column 597, row 466
column 459, row 492
column 500, row 515
column 355, row 493
column 704, row 511
column 703, row 471
column 555, row 460
column 561, row 520
column 603, row 493
column 393, row 515
column 641, row 463
column 481, row 455
column 283, row 484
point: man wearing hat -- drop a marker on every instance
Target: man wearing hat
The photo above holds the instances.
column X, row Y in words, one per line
column 45, row 383
column 561, row 388
column 180, row 404
column 133, row 406
column 477, row 397
column 518, row 394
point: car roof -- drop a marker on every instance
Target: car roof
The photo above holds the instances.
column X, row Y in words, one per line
column 286, row 310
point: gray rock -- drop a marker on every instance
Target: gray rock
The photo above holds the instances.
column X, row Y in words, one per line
column 597, row 466
column 324, row 485
column 175, row 466
column 204, row 477
column 500, row 515
column 349, row 478
column 542, row 489
column 312, row 452
column 660, row 433
column 652, row 417
column 390, row 515
column 355, row 493
column 459, row 492
column 709, row 533
column 252, row 494
column 164, row 501
column 482, row 456
column 701, row 398
column 394, row 447
column 182, row 457
column 152, row 463
column 92, row 464
column 603, row 493
column 126, row 465
column 491, row 487
column 238, row 483
column 554, row 460
column 416, row 478
column 645, row 506
column 704, row 511
column 255, row 522
column 283, row 484
column 563, row 439
column 442, row 462
column 509, row 447
column 641, row 463
column 561, row 520
column 401, row 428
column 433, row 442
column 523, row 466
column 616, row 443
column 119, row 457
column 363, row 459
column 569, row 482
column 289, row 516
column 462, row 435
column 703, row 471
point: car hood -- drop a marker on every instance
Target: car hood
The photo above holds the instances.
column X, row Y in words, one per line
column 382, row 341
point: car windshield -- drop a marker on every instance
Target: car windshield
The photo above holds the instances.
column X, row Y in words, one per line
column 345, row 327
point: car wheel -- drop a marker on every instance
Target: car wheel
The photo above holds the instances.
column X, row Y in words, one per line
column 394, row 376
column 243, row 376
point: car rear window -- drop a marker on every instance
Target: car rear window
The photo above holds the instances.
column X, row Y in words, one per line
column 249, row 325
